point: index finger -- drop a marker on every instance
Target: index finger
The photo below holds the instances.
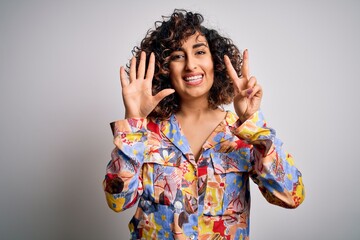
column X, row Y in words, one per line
column 229, row 68
column 245, row 65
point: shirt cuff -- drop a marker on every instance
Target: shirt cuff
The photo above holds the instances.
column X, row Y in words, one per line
column 254, row 131
column 130, row 125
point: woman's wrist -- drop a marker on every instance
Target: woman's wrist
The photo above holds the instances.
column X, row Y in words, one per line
column 133, row 115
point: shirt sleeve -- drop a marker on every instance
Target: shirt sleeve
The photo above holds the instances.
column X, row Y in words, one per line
column 273, row 169
column 122, row 183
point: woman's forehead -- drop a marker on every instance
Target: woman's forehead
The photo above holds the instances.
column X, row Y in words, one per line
column 194, row 39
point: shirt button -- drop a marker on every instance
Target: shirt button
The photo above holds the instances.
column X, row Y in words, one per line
column 192, row 236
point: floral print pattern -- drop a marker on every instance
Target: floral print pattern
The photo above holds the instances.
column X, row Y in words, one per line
column 181, row 198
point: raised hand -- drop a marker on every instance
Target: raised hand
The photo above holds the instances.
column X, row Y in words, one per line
column 248, row 93
column 137, row 92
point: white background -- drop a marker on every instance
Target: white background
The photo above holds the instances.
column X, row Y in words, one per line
column 59, row 90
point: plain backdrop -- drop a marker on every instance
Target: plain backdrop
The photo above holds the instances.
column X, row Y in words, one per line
column 60, row 88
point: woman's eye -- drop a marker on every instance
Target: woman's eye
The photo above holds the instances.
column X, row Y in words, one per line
column 200, row 52
column 177, row 57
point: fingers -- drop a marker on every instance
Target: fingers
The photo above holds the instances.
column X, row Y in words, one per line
column 246, row 93
column 245, row 66
column 250, row 92
column 255, row 88
column 256, row 92
column 142, row 63
column 140, row 74
column 242, row 86
column 123, row 79
column 151, row 67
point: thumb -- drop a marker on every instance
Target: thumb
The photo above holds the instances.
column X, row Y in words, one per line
column 163, row 93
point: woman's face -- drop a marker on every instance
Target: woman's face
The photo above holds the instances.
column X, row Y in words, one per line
column 192, row 68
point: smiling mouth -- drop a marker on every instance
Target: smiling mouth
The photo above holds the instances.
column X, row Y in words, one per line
column 193, row 80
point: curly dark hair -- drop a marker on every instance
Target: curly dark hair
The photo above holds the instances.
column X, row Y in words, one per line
column 167, row 37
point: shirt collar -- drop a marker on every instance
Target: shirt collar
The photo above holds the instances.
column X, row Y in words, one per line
column 171, row 129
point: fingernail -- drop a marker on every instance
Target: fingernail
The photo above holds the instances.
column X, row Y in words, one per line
column 249, row 91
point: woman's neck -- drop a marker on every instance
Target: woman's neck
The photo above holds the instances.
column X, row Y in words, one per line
column 194, row 108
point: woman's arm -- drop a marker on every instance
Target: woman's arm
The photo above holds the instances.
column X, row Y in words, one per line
column 122, row 183
column 273, row 169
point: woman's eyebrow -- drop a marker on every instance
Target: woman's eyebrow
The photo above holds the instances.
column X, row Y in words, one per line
column 199, row 45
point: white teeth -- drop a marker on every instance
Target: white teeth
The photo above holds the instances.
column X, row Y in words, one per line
column 193, row 78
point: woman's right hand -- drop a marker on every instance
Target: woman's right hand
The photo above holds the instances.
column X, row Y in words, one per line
column 137, row 89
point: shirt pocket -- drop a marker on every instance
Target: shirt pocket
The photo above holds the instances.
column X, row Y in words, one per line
column 227, row 184
column 162, row 175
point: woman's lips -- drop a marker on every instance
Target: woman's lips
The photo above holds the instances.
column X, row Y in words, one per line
column 194, row 80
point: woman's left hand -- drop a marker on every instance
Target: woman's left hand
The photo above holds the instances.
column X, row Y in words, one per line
column 248, row 93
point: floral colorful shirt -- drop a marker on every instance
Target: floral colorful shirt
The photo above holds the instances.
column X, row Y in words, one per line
column 181, row 198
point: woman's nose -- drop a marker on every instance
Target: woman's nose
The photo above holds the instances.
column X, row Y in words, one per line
column 190, row 64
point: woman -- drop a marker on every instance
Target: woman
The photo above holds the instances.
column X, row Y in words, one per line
column 185, row 159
